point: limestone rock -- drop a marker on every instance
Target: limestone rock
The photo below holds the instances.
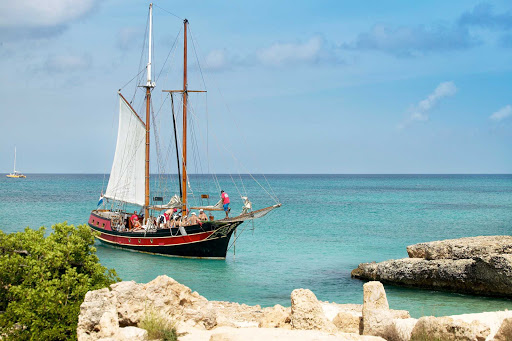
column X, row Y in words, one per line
column 276, row 317
column 270, row 334
column 347, row 322
column 233, row 314
column 462, row 248
column 307, row 313
column 400, row 329
column 132, row 334
column 376, row 315
column 131, row 302
column 447, row 328
column 400, row 314
column 165, row 295
column 374, row 296
column 491, row 319
column 505, row 331
column 376, row 321
column 489, row 275
column 98, row 316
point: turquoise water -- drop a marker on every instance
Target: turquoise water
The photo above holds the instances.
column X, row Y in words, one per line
column 327, row 226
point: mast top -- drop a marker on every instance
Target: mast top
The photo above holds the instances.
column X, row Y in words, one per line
column 149, row 83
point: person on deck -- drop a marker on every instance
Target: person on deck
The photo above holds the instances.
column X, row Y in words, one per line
column 194, row 220
column 202, row 215
column 135, row 220
column 184, row 221
column 173, row 222
column 225, row 202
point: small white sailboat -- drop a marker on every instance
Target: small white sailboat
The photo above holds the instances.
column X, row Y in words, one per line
column 15, row 173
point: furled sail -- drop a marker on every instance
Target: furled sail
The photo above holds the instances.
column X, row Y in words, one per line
column 127, row 182
column 175, row 202
column 216, row 207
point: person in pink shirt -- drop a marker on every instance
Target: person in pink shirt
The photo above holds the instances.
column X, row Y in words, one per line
column 225, row 202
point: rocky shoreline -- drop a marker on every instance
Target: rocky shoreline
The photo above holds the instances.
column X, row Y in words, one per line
column 115, row 313
column 474, row 265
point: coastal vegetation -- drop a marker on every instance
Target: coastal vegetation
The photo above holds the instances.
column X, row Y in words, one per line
column 44, row 280
column 158, row 327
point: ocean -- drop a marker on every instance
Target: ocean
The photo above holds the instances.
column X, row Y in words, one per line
column 328, row 224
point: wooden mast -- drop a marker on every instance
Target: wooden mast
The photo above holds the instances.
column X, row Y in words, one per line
column 149, row 86
column 185, row 92
column 184, row 148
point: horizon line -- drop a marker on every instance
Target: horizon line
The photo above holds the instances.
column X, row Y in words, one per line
column 156, row 174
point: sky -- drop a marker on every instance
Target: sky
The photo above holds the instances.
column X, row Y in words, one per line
column 293, row 86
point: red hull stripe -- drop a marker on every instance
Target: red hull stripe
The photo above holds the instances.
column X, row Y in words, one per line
column 148, row 241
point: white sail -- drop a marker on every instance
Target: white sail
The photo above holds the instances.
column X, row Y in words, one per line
column 126, row 181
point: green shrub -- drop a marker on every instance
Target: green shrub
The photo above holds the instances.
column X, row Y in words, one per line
column 158, row 327
column 43, row 281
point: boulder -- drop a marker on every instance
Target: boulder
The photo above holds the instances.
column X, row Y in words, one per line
column 276, row 317
column 374, row 296
column 131, row 302
column 307, row 313
column 376, row 322
column 400, row 329
column 491, row 319
column 98, row 316
column 376, row 315
column 165, row 295
column 232, row 314
column 505, row 331
column 347, row 322
column 462, row 248
column 448, row 329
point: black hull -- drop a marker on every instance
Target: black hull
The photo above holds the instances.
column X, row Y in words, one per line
column 213, row 248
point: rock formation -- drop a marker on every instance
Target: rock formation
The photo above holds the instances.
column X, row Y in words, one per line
column 114, row 314
column 307, row 313
column 462, row 248
column 460, row 265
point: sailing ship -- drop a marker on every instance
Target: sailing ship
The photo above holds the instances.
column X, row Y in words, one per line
column 15, row 173
column 129, row 184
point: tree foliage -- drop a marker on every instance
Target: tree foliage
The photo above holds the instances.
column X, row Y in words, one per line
column 43, row 281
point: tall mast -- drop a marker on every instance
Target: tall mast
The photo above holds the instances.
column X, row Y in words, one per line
column 14, row 159
column 185, row 96
column 184, row 91
column 149, row 86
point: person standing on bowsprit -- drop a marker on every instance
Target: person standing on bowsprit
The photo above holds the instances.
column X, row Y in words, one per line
column 225, row 202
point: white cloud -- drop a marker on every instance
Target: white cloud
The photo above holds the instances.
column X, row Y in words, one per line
column 42, row 13
column 216, row 60
column 421, row 111
column 36, row 19
column 502, row 114
column 312, row 51
column 67, row 63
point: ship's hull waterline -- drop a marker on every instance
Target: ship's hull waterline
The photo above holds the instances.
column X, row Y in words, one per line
column 211, row 240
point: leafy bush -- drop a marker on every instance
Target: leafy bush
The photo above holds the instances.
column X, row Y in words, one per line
column 158, row 327
column 44, row 280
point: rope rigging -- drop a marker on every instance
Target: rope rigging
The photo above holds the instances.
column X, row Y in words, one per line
column 165, row 182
